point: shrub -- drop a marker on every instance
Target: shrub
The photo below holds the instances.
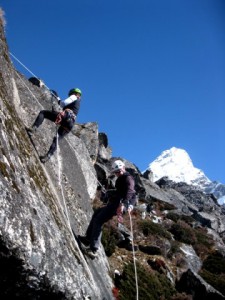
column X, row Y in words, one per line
column 172, row 216
column 204, row 242
column 175, row 217
column 148, row 227
column 109, row 239
column 175, row 248
column 217, row 281
column 213, row 271
column 165, row 206
column 201, row 241
column 181, row 296
column 187, row 219
column 2, row 17
column 183, row 233
column 151, row 285
column 215, row 263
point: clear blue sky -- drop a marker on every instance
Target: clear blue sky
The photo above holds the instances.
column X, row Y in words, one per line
column 152, row 72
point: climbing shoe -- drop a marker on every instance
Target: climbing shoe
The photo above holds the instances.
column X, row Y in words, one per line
column 91, row 253
column 31, row 130
column 84, row 241
column 45, row 158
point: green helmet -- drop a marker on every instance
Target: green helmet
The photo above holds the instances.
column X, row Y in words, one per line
column 73, row 91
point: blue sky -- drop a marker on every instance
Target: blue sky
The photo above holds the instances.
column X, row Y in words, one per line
column 152, row 72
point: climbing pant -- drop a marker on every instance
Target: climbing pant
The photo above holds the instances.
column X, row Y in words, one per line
column 100, row 216
column 65, row 127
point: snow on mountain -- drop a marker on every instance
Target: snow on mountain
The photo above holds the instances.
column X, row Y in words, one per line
column 221, row 200
column 176, row 164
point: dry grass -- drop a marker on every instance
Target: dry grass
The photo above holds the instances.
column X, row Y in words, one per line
column 2, row 17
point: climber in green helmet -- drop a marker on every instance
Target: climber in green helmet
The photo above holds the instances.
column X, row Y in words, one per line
column 65, row 119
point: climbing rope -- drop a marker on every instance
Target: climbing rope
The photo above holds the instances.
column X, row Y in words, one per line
column 24, row 84
column 22, row 64
column 33, row 75
column 134, row 258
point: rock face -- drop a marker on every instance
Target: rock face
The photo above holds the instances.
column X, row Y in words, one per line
column 43, row 207
column 193, row 284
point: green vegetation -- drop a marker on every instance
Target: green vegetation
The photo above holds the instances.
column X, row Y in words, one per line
column 152, row 285
column 201, row 241
column 213, row 271
column 215, row 263
column 165, row 206
column 148, row 227
column 109, row 239
column 175, row 248
column 183, row 233
column 204, row 242
column 175, row 217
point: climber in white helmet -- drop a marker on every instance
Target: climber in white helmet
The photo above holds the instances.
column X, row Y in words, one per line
column 125, row 198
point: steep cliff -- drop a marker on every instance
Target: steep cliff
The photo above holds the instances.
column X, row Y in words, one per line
column 43, row 206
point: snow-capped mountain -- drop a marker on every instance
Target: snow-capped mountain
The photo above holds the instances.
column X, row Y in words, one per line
column 176, row 164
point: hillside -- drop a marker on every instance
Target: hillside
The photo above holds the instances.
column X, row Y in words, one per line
column 178, row 230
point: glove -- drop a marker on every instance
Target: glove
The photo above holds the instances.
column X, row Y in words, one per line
column 122, row 207
column 130, row 208
column 119, row 213
column 120, row 210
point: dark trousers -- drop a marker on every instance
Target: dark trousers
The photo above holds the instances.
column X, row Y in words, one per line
column 100, row 216
column 63, row 129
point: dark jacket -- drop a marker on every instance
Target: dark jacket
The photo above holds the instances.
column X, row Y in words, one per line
column 74, row 106
column 125, row 190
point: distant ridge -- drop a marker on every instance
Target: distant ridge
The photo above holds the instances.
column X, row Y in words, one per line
column 177, row 165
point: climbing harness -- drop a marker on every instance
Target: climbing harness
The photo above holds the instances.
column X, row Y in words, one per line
column 134, row 258
column 68, row 114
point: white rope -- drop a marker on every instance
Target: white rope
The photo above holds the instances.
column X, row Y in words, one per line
column 22, row 64
column 134, row 258
column 30, row 72
column 24, row 84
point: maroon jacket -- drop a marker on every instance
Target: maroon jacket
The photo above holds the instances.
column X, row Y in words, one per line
column 125, row 190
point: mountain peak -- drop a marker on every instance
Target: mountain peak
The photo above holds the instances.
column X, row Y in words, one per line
column 175, row 156
column 176, row 164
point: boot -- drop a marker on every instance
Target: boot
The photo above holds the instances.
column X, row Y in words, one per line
column 92, row 253
column 45, row 158
column 84, row 240
column 31, row 130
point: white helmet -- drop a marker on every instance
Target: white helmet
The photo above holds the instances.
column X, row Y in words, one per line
column 117, row 165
